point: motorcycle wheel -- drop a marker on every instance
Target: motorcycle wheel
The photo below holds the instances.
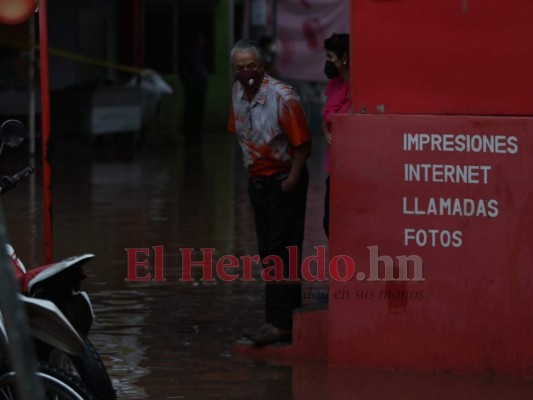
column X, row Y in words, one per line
column 90, row 369
column 57, row 384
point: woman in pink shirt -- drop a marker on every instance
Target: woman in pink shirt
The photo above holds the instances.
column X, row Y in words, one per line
column 337, row 70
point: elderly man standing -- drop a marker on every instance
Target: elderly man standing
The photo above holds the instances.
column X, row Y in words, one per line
column 268, row 120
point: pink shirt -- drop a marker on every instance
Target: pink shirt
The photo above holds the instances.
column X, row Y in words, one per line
column 338, row 101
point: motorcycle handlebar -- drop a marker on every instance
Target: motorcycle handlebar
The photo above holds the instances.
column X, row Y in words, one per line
column 9, row 182
column 23, row 174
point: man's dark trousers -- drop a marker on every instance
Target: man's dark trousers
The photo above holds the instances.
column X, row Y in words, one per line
column 279, row 223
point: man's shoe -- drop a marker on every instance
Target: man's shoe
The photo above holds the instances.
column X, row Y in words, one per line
column 249, row 333
column 271, row 336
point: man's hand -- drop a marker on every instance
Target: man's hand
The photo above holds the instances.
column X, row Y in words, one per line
column 288, row 185
column 301, row 153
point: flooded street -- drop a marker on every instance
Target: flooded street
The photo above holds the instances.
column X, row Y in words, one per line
column 172, row 339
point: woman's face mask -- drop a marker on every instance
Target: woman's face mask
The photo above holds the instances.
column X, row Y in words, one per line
column 334, row 65
column 331, row 70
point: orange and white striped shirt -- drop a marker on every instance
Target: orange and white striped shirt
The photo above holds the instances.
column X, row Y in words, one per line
column 269, row 127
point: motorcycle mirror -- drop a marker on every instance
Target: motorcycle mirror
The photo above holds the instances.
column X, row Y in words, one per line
column 12, row 133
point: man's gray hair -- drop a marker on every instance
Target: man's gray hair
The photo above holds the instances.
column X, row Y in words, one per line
column 247, row 45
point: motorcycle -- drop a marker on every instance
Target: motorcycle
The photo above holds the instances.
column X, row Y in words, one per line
column 48, row 325
column 58, row 285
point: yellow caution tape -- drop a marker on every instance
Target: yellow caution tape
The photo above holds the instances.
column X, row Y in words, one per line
column 87, row 60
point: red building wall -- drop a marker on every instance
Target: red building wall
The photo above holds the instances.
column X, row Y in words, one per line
column 442, row 56
column 474, row 309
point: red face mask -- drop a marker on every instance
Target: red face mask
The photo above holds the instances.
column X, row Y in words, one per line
column 250, row 80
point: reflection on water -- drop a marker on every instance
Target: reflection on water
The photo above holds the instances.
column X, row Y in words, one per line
column 172, row 340
column 119, row 324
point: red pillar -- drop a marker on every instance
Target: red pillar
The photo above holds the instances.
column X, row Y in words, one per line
column 131, row 32
column 45, row 128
